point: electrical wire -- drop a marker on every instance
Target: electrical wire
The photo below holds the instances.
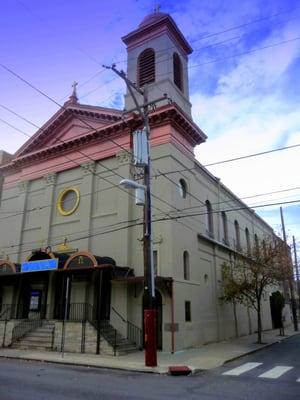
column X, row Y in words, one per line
column 163, row 219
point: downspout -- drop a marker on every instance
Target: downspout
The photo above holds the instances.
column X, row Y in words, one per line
column 172, row 319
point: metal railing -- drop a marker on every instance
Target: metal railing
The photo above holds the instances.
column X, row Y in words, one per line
column 73, row 312
column 7, row 311
column 134, row 333
column 24, row 327
column 76, row 312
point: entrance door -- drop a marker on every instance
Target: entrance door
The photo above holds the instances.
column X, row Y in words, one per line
column 35, row 302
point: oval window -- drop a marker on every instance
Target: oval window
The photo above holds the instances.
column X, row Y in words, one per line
column 68, row 201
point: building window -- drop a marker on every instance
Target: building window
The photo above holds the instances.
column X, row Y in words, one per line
column 182, row 186
column 237, row 235
column 68, row 201
column 177, row 70
column 146, row 67
column 155, row 262
column 225, row 227
column 248, row 242
column 264, row 248
column 209, row 219
column 256, row 245
column 186, row 266
column 188, row 311
column 1, row 186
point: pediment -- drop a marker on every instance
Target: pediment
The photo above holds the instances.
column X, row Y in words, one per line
column 67, row 124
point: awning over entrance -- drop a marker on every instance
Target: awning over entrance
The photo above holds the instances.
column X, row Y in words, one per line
column 85, row 259
column 167, row 281
column 80, row 261
column 8, row 268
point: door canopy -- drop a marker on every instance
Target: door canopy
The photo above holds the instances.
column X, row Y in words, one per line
column 7, row 267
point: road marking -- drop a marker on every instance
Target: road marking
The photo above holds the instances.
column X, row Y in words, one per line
column 242, row 368
column 275, row 372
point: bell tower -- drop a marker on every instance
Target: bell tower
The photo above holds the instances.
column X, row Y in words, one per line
column 158, row 56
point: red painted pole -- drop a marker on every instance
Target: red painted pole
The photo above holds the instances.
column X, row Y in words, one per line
column 150, row 338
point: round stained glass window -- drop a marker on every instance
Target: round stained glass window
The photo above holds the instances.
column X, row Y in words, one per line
column 68, row 201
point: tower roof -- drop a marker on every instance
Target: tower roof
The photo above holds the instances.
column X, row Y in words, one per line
column 153, row 17
column 155, row 24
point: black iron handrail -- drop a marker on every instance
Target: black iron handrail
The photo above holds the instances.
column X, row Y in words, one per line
column 7, row 312
column 134, row 333
column 25, row 326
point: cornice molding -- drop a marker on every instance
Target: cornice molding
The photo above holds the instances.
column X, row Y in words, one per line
column 170, row 113
column 124, row 157
column 23, row 186
column 89, row 167
column 51, row 179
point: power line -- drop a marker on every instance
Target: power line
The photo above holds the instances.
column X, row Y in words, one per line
column 163, row 174
column 209, row 35
column 85, row 155
column 9, row 70
column 169, row 48
column 14, row 127
column 162, row 219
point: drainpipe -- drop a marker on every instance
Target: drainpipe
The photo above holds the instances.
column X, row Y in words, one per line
column 172, row 319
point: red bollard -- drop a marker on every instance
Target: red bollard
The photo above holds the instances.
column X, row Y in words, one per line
column 150, row 338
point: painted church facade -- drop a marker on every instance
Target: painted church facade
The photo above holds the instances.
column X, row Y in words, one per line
column 61, row 203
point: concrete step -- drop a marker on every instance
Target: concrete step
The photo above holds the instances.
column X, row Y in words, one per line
column 40, row 334
column 31, row 347
column 30, row 339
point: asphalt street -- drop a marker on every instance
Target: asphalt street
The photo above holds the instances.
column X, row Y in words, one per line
column 272, row 373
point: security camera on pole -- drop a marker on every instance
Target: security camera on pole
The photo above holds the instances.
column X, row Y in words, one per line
column 143, row 197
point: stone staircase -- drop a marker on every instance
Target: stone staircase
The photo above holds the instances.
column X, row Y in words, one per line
column 115, row 339
column 40, row 338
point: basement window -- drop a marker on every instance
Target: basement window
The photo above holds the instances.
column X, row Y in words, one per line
column 146, row 67
column 188, row 312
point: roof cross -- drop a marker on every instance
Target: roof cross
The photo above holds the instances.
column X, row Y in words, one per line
column 74, row 98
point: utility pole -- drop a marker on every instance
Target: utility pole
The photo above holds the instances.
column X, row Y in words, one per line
column 291, row 275
column 149, row 282
column 297, row 270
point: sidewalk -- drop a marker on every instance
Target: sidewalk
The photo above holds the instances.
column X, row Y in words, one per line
column 202, row 358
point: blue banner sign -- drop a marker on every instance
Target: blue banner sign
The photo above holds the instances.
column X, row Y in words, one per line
column 39, row 265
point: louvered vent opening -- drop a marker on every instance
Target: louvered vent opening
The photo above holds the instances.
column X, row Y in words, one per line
column 146, row 67
column 177, row 68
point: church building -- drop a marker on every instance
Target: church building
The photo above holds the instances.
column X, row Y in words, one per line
column 71, row 238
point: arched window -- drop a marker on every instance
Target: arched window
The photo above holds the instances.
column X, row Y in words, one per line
column 256, row 245
column 146, row 67
column 209, row 219
column 225, row 227
column 248, row 242
column 182, row 186
column 264, row 247
column 177, row 70
column 237, row 235
column 186, row 266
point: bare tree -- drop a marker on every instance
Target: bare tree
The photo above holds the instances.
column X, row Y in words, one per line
column 253, row 273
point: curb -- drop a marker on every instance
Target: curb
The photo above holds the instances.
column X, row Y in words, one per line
column 264, row 346
column 155, row 370
column 87, row 365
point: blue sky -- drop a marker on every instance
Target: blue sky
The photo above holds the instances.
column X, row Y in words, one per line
column 244, row 78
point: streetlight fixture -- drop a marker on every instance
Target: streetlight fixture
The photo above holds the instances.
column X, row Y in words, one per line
column 143, row 197
column 130, row 184
column 143, row 160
